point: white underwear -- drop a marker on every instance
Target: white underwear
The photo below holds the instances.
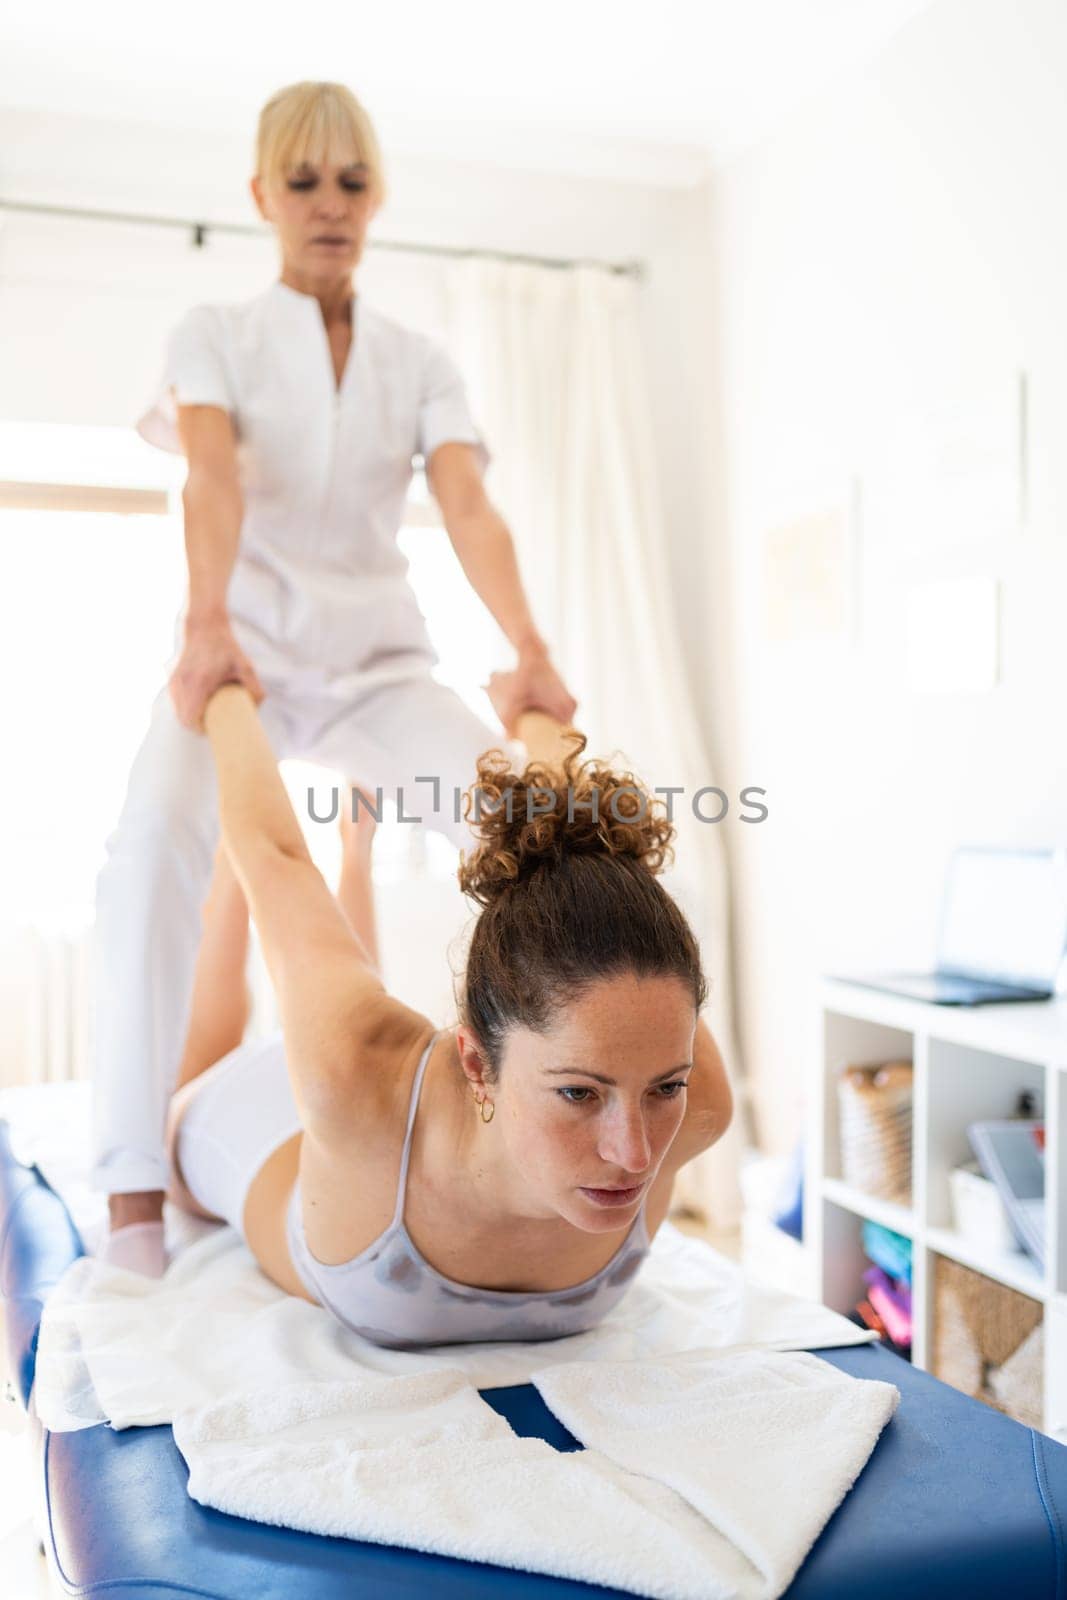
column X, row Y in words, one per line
column 242, row 1110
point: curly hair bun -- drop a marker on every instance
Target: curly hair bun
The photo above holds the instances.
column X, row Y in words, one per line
column 533, row 819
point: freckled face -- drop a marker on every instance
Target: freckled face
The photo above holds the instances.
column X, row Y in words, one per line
column 567, row 1130
column 320, row 210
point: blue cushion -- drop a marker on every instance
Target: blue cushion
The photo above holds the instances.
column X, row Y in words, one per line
column 38, row 1242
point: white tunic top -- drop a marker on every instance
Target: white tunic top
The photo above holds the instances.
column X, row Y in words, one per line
column 319, row 594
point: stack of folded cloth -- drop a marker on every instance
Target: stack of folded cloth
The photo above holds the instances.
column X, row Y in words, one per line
column 887, row 1307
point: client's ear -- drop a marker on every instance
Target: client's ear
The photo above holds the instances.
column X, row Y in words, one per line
column 471, row 1056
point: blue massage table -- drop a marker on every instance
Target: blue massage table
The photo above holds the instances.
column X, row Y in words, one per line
column 955, row 1501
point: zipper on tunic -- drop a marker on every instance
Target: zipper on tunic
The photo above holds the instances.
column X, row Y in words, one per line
column 331, row 471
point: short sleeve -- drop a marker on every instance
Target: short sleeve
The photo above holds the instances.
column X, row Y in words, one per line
column 444, row 412
column 195, row 373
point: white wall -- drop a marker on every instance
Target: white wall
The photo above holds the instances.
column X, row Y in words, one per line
column 901, row 243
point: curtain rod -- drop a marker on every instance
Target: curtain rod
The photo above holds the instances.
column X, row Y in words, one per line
column 201, row 230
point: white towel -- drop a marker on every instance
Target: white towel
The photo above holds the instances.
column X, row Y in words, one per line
column 701, row 1479
column 114, row 1347
column 118, row 1347
column 764, row 1446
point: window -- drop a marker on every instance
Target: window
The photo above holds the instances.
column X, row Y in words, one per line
column 86, row 622
column 94, row 566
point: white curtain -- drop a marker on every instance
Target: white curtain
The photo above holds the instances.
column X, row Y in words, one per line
column 553, row 363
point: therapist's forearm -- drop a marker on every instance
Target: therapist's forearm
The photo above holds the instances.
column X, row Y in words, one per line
column 213, row 512
column 486, row 552
column 254, row 805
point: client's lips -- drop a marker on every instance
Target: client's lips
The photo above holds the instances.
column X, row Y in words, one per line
column 609, row 1197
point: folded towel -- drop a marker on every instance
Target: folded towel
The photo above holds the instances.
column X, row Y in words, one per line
column 896, row 1291
column 888, row 1250
column 897, row 1323
column 764, row 1446
column 118, row 1347
column 688, row 1487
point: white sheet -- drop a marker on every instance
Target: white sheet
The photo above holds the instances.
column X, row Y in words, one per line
column 137, row 1351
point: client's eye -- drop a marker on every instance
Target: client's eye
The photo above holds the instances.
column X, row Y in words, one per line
column 675, row 1086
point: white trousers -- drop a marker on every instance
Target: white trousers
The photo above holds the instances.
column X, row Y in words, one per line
column 151, row 889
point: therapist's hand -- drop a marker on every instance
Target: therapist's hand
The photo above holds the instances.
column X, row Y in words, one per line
column 533, row 685
column 210, row 657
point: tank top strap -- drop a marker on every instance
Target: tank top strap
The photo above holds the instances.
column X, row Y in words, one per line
column 643, row 1220
column 401, row 1188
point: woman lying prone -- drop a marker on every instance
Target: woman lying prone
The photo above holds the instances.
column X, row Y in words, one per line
column 501, row 1179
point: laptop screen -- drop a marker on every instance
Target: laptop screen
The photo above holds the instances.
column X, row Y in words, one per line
column 1005, row 915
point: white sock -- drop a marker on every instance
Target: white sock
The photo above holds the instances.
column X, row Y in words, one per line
column 138, row 1247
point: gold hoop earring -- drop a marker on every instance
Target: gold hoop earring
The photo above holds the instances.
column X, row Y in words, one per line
column 482, row 1103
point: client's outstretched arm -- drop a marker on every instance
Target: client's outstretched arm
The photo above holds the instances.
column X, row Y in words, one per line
column 355, row 887
column 336, row 1016
column 222, row 998
column 711, row 1101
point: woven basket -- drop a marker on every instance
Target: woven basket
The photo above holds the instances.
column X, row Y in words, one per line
column 874, row 1104
column 988, row 1341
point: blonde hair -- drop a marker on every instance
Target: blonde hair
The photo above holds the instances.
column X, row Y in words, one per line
column 303, row 121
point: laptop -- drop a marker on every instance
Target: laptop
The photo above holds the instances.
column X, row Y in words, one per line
column 1002, row 931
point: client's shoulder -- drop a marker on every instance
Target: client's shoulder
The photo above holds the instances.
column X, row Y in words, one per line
column 709, row 1100
column 388, row 1038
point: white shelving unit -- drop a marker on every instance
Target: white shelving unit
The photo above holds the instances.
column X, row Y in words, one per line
column 969, row 1064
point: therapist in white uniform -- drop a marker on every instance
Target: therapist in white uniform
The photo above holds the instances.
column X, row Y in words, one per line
column 299, row 412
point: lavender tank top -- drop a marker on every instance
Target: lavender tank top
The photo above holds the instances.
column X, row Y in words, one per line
column 391, row 1295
